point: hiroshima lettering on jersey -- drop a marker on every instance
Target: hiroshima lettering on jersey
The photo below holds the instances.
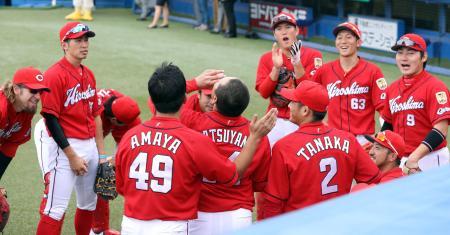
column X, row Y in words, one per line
column 226, row 136
column 408, row 105
column 74, row 96
column 354, row 89
column 156, row 139
column 7, row 133
column 443, row 110
column 323, row 143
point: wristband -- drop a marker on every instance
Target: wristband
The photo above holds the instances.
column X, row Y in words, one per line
column 433, row 139
column 103, row 156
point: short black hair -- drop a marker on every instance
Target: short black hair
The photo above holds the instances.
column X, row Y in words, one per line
column 421, row 56
column 317, row 116
column 167, row 88
column 232, row 98
column 108, row 107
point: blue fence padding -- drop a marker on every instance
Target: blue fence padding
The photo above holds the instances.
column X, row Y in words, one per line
column 417, row 204
column 326, row 24
column 68, row 3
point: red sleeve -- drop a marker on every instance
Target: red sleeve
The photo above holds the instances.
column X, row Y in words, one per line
column 191, row 86
column 191, row 118
column 312, row 62
column 366, row 171
column 438, row 104
column 277, row 189
column 120, row 156
column 379, row 86
column 9, row 149
column 52, row 102
column 264, row 85
column 211, row 164
column 386, row 111
column 259, row 177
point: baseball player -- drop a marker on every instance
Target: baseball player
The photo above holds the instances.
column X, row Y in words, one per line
column 18, row 104
column 417, row 107
column 160, row 163
column 120, row 114
column 222, row 208
column 316, row 162
column 284, row 67
column 69, row 139
column 82, row 10
column 355, row 86
column 199, row 102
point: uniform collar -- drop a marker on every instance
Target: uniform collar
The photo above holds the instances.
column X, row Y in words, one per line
column 227, row 121
column 74, row 70
column 314, row 128
column 163, row 123
column 409, row 81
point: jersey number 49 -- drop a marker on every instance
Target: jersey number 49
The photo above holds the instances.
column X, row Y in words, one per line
column 162, row 166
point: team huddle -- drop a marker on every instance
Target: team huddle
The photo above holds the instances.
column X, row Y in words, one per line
column 200, row 166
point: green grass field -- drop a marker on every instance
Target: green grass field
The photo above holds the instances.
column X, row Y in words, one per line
column 122, row 55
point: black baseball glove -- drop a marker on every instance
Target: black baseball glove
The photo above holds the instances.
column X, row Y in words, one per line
column 105, row 181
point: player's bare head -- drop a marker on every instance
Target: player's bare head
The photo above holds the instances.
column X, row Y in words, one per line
column 231, row 96
column 167, row 88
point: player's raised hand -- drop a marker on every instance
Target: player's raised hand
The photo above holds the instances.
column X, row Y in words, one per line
column 277, row 57
column 295, row 52
column 208, row 78
column 263, row 126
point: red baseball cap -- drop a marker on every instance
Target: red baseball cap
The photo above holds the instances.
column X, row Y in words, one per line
column 283, row 17
column 73, row 30
column 309, row 93
column 390, row 140
column 347, row 26
column 412, row 41
column 206, row 91
column 125, row 109
column 31, row 78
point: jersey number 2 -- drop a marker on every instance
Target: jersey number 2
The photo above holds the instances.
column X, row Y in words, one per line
column 331, row 162
column 162, row 166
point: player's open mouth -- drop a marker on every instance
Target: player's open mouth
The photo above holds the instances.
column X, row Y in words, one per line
column 285, row 39
column 405, row 65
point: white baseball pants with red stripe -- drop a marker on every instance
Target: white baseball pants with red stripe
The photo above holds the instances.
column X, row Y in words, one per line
column 59, row 179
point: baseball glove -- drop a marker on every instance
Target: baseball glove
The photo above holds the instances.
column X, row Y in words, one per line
column 286, row 79
column 105, row 181
column 4, row 209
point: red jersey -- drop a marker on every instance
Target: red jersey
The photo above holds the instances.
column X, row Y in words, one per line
column 117, row 132
column 15, row 128
column 393, row 174
column 414, row 106
column 354, row 96
column 159, row 169
column 311, row 60
column 314, row 164
column 192, row 103
column 230, row 135
column 73, row 99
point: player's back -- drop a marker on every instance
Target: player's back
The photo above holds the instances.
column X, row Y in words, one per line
column 230, row 135
column 159, row 167
column 321, row 163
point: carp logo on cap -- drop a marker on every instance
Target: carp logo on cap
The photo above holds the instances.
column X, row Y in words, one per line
column 40, row 77
column 441, row 97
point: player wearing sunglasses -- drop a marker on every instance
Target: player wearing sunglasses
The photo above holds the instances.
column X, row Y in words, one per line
column 417, row 108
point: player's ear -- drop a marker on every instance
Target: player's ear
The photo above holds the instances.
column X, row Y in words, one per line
column 424, row 57
column 358, row 42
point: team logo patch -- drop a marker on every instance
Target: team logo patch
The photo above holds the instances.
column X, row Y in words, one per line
column 317, row 62
column 441, row 97
column 39, row 77
column 381, row 83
